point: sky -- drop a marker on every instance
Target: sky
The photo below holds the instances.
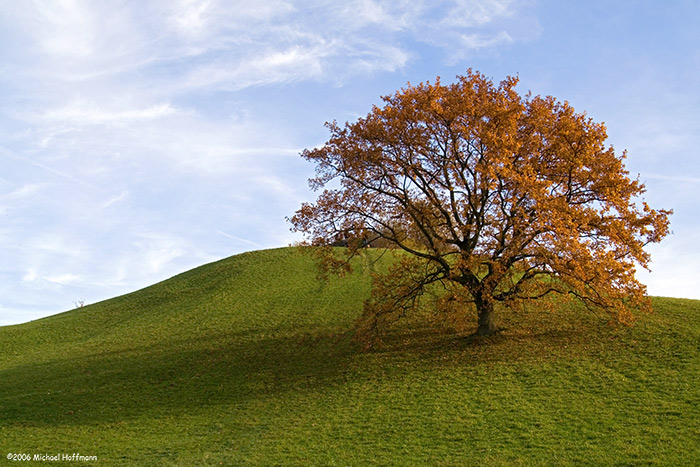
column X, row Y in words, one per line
column 140, row 139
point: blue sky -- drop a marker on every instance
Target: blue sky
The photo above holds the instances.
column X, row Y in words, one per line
column 141, row 139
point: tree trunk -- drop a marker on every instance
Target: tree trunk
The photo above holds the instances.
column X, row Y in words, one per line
column 487, row 326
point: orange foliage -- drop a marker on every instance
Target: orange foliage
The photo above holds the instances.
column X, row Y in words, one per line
column 498, row 197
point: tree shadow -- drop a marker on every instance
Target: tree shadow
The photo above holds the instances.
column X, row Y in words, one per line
column 533, row 336
column 176, row 376
column 170, row 377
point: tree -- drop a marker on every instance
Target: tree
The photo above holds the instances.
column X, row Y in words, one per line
column 497, row 197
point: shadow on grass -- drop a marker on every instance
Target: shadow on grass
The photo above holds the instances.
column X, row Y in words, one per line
column 527, row 335
column 177, row 376
column 112, row 386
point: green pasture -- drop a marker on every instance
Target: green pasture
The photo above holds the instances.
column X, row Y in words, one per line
column 250, row 361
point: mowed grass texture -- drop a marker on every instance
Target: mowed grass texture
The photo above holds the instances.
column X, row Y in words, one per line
column 250, row 361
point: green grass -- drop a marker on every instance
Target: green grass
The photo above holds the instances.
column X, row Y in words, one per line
column 249, row 361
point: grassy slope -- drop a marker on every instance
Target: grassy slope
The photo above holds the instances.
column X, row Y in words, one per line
column 248, row 361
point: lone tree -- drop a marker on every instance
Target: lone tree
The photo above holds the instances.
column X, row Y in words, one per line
column 496, row 196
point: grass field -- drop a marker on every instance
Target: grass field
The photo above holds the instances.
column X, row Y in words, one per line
column 249, row 361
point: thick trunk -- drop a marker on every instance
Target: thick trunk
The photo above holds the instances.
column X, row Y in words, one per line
column 487, row 326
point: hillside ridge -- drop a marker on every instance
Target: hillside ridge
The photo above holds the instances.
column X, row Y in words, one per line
column 249, row 360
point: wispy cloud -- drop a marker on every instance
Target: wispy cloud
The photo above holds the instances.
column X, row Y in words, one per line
column 143, row 138
column 139, row 139
column 238, row 44
column 474, row 13
column 476, row 41
column 80, row 111
column 239, row 239
column 673, row 178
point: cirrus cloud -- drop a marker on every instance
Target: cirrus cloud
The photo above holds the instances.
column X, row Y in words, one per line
column 139, row 139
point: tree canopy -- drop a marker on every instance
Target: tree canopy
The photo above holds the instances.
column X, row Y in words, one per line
column 498, row 197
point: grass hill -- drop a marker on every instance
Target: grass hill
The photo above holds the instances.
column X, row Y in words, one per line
column 249, row 361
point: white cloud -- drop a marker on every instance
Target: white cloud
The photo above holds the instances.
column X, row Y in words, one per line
column 82, row 112
column 30, row 276
column 159, row 249
column 192, row 43
column 369, row 11
column 76, row 40
column 143, row 138
column 65, row 29
column 391, row 15
column 140, row 139
column 266, row 67
column 204, row 21
column 239, row 239
column 191, row 16
column 474, row 13
column 66, row 279
column 24, row 192
column 477, row 41
column 115, row 199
